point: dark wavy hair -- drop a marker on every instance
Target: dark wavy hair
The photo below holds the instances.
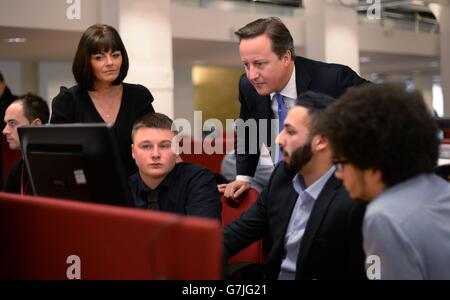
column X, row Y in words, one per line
column 97, row 39
column 383, row 127
column 278, row 33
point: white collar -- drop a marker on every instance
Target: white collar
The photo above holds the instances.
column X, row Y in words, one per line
column 290, row 90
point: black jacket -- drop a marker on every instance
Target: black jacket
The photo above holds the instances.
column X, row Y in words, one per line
column 330, row 79
column 331, row 247
column 187, row 190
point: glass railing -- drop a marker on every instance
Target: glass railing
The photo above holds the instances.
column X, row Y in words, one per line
column 388, row 22
column 245, row 6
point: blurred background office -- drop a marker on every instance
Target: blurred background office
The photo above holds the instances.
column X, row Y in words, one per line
column 185, row 51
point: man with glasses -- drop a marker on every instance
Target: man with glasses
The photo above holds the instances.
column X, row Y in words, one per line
column 314, row 225
column 385, row 147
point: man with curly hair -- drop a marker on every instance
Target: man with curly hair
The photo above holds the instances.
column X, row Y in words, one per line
column 385, row 148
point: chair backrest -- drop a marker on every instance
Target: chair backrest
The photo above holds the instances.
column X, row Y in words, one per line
column 207, row 152
column 211, row 161
column 230, row 212
column 447, row 133
column 41, row 237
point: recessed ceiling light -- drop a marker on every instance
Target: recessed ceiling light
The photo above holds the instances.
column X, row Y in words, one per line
column 16, row 40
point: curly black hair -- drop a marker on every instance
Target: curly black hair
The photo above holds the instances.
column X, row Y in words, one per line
column 383, row 127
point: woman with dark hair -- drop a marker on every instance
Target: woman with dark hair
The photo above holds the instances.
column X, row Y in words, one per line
column 99, row 67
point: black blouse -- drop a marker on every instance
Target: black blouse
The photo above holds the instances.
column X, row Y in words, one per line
column 75, row 106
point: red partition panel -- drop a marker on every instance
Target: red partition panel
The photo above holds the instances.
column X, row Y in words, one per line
column 39, row 234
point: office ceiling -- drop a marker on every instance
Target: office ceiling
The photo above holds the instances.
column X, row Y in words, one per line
column 40, row 44
column 54, row 45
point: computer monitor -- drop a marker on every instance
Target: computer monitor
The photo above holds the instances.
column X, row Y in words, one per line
column 75, row 161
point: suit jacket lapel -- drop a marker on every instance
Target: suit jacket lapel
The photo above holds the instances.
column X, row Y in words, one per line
column 285, row 211
column 268, row 106
column 302, row 77
column 315, row 219
column 291, row 199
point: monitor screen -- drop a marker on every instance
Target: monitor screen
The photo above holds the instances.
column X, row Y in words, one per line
column 75, row 161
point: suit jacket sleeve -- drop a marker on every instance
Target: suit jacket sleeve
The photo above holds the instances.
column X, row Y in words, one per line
column 251, row 226
column 203, row 198
column 245, row 162
column 348, row 78
column 355, row 253
column 147, row 99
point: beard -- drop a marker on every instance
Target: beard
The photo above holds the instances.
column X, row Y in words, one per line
column 299, row 158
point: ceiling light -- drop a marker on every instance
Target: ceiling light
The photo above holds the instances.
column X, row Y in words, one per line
column 365, row 59
column 16, row 40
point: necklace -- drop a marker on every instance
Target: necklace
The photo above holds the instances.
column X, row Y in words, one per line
column 106, row 106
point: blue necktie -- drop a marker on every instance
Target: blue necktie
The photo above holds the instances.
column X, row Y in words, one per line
column 282, row 113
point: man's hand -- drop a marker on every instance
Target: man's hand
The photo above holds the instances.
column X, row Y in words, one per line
column 234, row 189
column 222, row 187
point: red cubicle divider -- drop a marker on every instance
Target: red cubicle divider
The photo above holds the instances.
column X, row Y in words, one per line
column 38, row 235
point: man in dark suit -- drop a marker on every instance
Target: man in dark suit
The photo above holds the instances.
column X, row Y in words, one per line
column 274, row 77
column 314, row 225
column 29, row 109
column 6, row 98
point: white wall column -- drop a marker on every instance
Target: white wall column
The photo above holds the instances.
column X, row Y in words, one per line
column 332, row 33
column 184, row 94
column 442, row 13
column 145, row 28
